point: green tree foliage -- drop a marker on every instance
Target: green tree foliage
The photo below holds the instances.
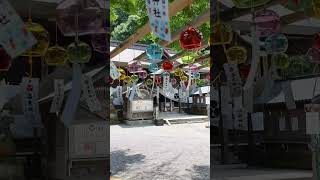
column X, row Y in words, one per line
column 128, row 17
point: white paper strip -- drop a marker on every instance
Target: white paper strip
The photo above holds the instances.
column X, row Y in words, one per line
column 58, row 96
column 14, row 37
column 257, row 121
column 312, row 123
column 71, row 105
column 30, row 95
column 248, row 99
column 90, row 94
column 255, row 59
column 288, row 95
column 133, row 92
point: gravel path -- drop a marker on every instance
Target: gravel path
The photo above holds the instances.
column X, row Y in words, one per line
column 177, row 152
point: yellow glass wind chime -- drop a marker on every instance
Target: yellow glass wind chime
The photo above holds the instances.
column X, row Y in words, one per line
column 42, row 36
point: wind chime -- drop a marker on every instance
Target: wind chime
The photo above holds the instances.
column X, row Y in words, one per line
column 222, row 33
column 42, row 37
column 56, row 55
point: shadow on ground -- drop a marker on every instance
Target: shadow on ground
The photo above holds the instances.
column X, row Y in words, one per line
column 121, row 160
column 201, row 173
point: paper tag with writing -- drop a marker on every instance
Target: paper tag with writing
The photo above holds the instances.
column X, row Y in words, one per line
column 119, row 93
column 166, row 82
column 114, row 73
column 158, row 12
column 58, row 96
column 90, row 94
column 14, row 37
column 234, row 79
column 30, row 95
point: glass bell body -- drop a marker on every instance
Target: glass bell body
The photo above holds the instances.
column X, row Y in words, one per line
column 249, row 3
column 134, row 78
column 167, row 65
column 149, row 82
column 222, row 34
column 191, row 39
column 267, row 22
column 134, row 66
column 195, row 75
column 178, row 72
column 153, row 67
column 158, row 80
column 42, row 37
column 236, row 55
column 280, row 61
column 193, row 68
column 5, row 60
column 56, row 55
column 276, row 43
column 79, row 52
column 297, row 5
column 184, row 78
column 313, row 55
column 154, row 52
column 90, row 20
column 143, row 74
column 188, row 59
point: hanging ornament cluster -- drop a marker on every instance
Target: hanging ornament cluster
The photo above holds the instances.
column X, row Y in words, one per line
column 42, row 37
column 249, row 3
column 5, row 60
column 191, row 38
column 267, row 22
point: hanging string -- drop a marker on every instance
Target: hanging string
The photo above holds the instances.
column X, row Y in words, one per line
column 56, row 32
column 30, row 51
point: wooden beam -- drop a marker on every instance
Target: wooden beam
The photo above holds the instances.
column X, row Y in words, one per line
column 203, row 18
column 174, row 7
